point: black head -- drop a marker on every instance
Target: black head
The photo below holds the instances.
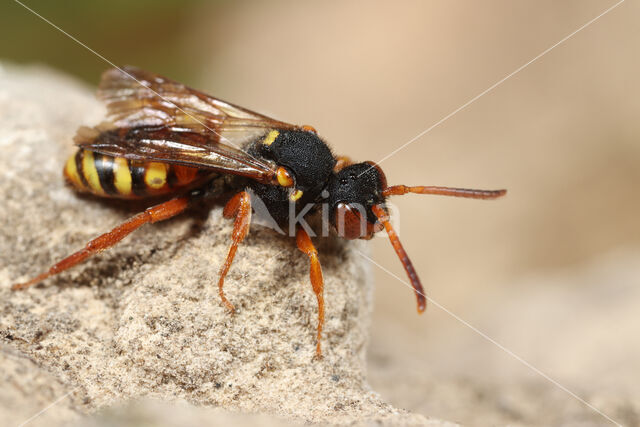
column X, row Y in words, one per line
column 353, row 192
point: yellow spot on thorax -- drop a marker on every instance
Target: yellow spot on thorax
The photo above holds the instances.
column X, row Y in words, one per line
column 71, row 173
column 91, row 173
column 284, row 178
column 122, row 176
column 271, row 136
column 156, row 175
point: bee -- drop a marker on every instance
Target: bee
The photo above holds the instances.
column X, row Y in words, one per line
column 163, row 140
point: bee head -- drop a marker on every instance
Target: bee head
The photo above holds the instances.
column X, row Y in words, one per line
column 357, row 209
column 353, row 192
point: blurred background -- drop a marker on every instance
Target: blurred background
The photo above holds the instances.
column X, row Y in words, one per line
column 551, row 272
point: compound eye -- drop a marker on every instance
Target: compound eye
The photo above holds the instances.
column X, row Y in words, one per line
column 351, row 223
column 285, row 179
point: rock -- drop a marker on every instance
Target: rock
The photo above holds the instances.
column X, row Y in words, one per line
column 143, row 320
column 28, row 389
column 178, row 414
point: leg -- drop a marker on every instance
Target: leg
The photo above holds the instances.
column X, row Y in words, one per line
column 240, row 207
column 154, row 214
column 317, row 282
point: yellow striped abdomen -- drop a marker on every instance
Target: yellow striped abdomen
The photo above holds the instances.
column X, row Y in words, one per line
column 109, row 176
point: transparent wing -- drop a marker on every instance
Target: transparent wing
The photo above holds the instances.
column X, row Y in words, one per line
column 168, row 145
column 153, row 117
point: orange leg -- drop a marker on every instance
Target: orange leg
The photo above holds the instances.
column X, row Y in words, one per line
column 240, row 207
column 153, row 214
column 317, row 282
column 404, row 258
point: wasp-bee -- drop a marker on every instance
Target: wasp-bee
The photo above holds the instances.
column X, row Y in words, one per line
column 165, row 140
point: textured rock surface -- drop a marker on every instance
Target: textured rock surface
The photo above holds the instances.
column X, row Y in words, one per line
column 27, row 389
column 177, row 414
column 143, row 320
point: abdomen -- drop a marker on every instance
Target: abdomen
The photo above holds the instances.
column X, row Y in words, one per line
column 109, row 176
